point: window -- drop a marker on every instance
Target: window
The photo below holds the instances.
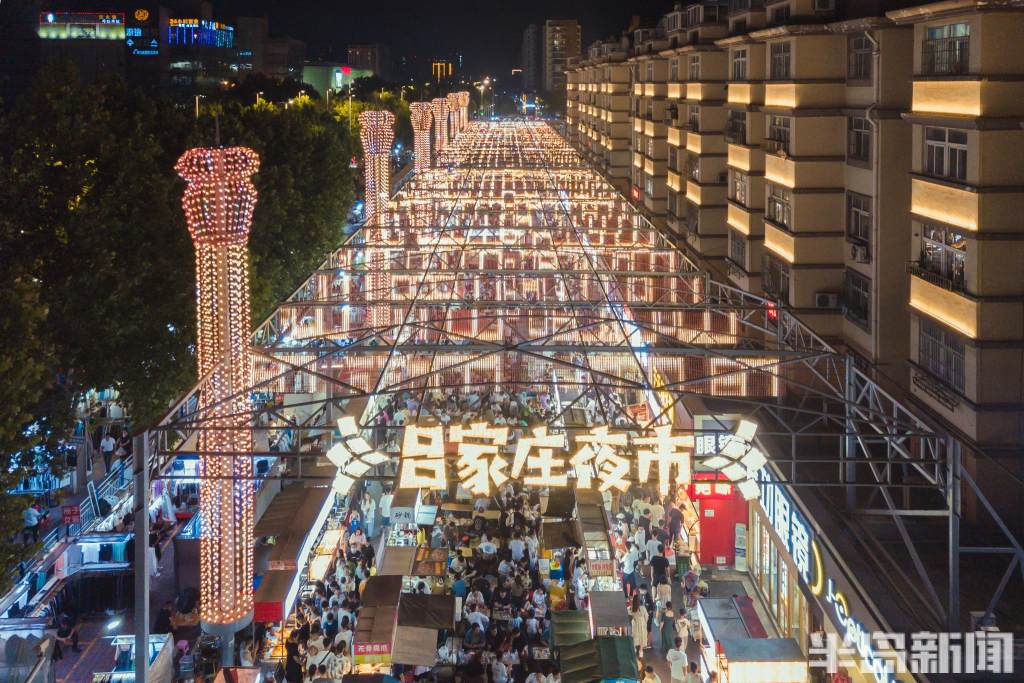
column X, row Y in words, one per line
column 941, row 353
column 650, row 71
column 943, row 255
column 858, row 217
column 858, row 139
column 738, row 249
column 736, row 126
column 673, row 70
column 779, row 207
column 672, row 153
column 945, row 153
column 693, row 167
column 739, row 65
column 693, row 117
column 649, row 185
column 738, row 187
column 694, row 74
column 778, row 133
column 780, row 61
column 775, row 277
column 945, row 49
column 857, row 298
column 860, row 58
column 673, row 201
column 780, row 15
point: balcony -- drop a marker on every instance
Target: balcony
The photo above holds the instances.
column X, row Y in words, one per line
column 916, row 269
column 745, row 158
column 944, row 203
column 946, row 56
column 791, row 95
column 735, row 133
column 950, row 308
column 803, row 172
column 779, row 147
column 744, row 219
column 968, row 97
column 675, row 136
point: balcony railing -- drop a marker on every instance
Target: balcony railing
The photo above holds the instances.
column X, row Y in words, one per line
column 735, row 133
column 917, row 269
column 945, row 56
column 777, row 147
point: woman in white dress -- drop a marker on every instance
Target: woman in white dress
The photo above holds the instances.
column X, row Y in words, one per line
column 638, row 619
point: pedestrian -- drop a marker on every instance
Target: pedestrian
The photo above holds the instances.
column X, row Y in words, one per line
column 32, row 518
column 650, row 676
column 629, row 561
column 668, row 628
column 107, row 446
column 369, row 510
column 638, row 620
column 384, row 506
column 692, row 676
column 677, row 661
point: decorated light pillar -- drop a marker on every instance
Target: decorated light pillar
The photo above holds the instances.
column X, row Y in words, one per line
column 463, row 109
column 453, row 114
column 377, row 132
column 421, row 117
column 439, row 105
column 218, row 202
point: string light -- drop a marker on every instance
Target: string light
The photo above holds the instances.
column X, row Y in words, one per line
column 377, row 132
column 421, row 116
column 454, row 117
column 463, row 108
column 218, row 203
column 439, row 105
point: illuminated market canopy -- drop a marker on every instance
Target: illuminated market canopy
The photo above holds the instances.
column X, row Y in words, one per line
column 507, row 264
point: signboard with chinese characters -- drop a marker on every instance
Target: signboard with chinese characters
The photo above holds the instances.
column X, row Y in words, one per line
column 601, row 459
column 81, row 26
column 142, row 35
column 371, row 653
column 71, row 514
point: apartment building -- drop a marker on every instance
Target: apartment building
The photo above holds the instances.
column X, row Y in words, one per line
column 966, row 293
column 859, row 162
column 783, row 123
column 560, row 43
column 598, row 118
column 649, row 76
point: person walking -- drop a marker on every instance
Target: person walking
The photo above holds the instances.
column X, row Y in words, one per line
column 669, row 635
column 32, row 518
column 107, row 446
column 677, row 661
column 638, row 619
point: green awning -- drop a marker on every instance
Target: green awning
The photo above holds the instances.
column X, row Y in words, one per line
column 569, row 627
column 602, row 658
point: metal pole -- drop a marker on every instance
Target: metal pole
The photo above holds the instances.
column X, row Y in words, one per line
column 848, row 475
column 953, row 482
column 141, row 509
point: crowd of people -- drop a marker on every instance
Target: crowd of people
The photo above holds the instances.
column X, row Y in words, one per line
column 503, row 633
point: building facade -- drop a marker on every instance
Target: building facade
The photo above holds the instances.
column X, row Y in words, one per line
column 530, row 58
column 375, row 58
column 852, row 160
column 560, row 43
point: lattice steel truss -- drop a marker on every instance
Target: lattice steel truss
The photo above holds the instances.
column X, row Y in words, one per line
column 520, row 266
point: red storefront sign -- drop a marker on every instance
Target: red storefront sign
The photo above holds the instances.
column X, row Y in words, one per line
column 71, row 514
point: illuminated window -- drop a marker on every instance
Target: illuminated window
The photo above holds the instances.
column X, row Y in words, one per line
column 739, row 65
column 858, row 217
column 673, row 70
column 941, row 353
column 738, row 187
column 779, row 205
column 693, row 117
column 857, row 298
column 943, row 255
column 776, row 277
column 781, row 54
column 945, row 153
column 859, row 51
column 858, row 139
column 778, row 133
column 946, row 49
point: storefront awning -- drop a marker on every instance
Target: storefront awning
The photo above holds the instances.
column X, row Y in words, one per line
column 559, row 534
column 560, row 503
column 415, row 646
column 381, row 590
column 599, row 659
column 426, row 611
column 396, row 561
column 292, row 511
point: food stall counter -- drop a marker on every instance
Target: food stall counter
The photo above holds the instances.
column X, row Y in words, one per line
column 761, row 660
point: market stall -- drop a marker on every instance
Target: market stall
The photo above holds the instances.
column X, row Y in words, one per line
column 608, row 614
column 717, row 619
column 375, row 630
column 161, row 660
column 761, row 660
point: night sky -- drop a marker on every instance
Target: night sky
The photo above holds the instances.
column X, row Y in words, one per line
column 487, row 34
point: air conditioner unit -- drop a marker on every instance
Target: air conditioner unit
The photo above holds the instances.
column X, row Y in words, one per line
column 826, row 300
column 860, row 253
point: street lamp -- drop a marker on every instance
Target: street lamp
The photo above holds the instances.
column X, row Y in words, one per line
column 197, row 105
column 258, row 97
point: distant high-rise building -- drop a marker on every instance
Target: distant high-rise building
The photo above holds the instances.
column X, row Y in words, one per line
column 530, row 59
column 560, row 44
column 376, row 58
column 441, row 70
